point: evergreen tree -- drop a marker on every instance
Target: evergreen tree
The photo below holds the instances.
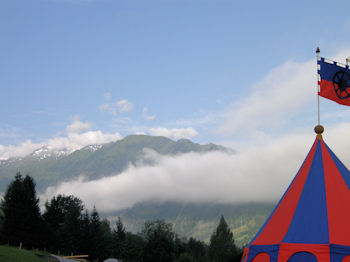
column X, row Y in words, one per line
column 33, row 236
column 21, row 214
column 159, row 239
column 107, row 239
column 222, row 247
column 85, row 236
column 118, row 239
column 11, row 207
column 98, row 243
column 71, row 230
column 1, row 223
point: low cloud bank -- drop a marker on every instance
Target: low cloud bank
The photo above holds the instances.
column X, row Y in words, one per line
column 260, row 173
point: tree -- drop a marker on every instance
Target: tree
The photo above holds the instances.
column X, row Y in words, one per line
column 119, row 239
column 107, row 239
column 222, row 247
column 58, row 208
column 159, row 239
column 73, row 231
column 134, row 248
column 180, row 247
column 85, row 236
column 198, row 250
column 11, row 207
column 63, row 217
column 22, row 220
column 1, row 222
column 99, row 240
column 33, row 228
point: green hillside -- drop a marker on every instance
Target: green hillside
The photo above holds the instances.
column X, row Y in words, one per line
column 200, row 220
column 107, row 160
column 12, row 254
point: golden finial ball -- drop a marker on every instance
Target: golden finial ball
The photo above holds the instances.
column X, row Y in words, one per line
column 319, row 129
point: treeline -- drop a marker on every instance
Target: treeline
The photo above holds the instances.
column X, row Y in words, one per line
column 66, row 227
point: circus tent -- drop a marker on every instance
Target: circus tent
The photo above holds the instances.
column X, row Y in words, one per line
column 311, row 222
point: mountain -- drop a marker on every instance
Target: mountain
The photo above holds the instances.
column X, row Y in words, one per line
column 198, row 220
column 49, row 167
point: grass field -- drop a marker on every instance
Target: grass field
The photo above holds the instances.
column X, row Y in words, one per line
column 12, row 254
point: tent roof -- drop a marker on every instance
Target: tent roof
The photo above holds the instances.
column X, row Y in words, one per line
column 315, row 207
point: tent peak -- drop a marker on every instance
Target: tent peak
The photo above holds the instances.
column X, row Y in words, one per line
column 319, row 130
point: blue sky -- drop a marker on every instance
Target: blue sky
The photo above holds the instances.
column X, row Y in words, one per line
column 228, row 72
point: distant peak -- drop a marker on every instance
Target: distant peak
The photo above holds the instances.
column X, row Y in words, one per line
column 45, row 152
column 92, row 148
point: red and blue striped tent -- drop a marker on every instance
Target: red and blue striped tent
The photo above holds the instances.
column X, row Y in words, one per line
column 312, row 220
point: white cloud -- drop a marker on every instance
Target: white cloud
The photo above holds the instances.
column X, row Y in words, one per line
column 282, row 92
column 146, row 116
column 125, row 106
column 23, row 149
column 75, row 141
column 77, row 136
column 108, row 108
column 174, row 133
column 77, row 126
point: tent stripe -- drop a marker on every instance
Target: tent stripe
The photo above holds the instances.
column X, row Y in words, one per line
column 310, row 221
column 338, row 199
column 342, row 169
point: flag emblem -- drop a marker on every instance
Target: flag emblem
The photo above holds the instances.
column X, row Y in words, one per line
column 341, row 84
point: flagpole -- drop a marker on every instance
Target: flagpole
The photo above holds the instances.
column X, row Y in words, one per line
column 318, row 86
column 318, row 129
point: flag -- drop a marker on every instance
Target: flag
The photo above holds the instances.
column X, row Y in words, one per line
column 334, row 81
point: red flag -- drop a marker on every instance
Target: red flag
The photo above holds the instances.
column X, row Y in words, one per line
column 334, row 81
